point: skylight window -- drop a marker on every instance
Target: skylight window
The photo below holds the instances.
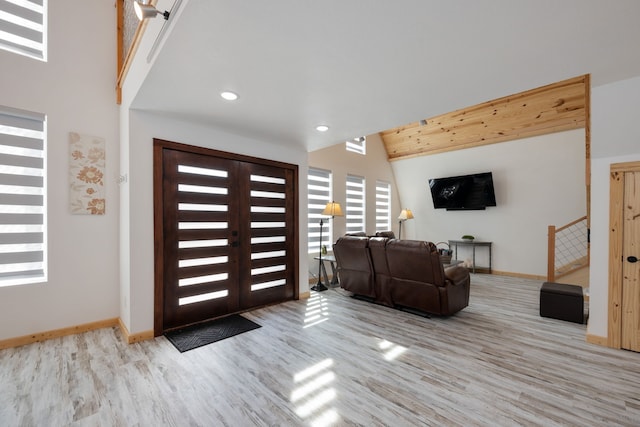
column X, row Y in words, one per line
column 23, row 27
column 357, row 145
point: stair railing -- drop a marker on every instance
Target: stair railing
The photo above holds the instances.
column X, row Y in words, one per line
column 568, row 249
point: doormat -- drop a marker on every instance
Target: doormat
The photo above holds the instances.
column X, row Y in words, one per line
column 195, row 336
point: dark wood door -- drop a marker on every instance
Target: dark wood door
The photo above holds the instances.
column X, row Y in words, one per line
column 227, row 241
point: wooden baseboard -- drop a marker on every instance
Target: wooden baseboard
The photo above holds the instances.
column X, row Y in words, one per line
column 140, row 336
column 520, row 275
column 57, row 333
column 597, row 340
column 305, row 295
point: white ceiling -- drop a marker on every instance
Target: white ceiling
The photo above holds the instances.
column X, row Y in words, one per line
column 362, row 66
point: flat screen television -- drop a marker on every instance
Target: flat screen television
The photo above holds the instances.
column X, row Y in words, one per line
column 466, row 192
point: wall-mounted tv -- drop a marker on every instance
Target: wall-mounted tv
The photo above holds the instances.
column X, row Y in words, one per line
column 467, row 192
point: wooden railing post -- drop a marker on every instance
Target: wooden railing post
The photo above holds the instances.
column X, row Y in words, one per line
column 551, row 254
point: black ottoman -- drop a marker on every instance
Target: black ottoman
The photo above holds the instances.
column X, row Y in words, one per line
column 562, row 301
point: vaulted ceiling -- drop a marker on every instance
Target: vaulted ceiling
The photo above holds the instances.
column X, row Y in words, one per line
column 363, row 67
column 552, row 108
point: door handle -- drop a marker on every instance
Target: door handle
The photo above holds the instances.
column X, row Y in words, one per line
column 632, row 259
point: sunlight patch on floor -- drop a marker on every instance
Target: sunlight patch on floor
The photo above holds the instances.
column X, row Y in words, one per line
column 317, row 310
column 392, row 351
column 314, row 394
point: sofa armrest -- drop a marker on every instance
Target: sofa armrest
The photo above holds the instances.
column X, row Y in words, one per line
column 457, row 275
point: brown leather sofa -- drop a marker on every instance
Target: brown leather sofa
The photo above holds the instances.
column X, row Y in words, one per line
column 401, row 273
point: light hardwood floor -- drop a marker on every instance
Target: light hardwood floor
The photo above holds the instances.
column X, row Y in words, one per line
column 334, row 360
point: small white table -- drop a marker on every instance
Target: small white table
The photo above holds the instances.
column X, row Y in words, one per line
column 334, row 269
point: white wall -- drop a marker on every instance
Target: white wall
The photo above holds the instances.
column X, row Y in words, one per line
column 138, row 281
column 615, row 138
column 372, row 166
column 138, row 128
column 77, row 95
column 538, row 181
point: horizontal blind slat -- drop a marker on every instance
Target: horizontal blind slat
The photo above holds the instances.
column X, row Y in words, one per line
column 21, row 141
column 15, row 219
column 20, row 31
column 21, row 257
column 15, row 238
column 21, row 180
column 14, row 118
column 22, row 161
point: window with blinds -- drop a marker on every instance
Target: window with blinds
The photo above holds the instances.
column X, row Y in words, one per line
column 357, row 145
column 22, row 197
column 319, row 190
column 383, row 206
column 355, row 204
column 23, row 27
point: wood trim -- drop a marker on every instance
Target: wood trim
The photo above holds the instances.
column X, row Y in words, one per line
column 552, row 108
column 597, row 340
column 571, row 223
column 177, row 146
column 158, row 233
column 625, row 167
column 133, row 338
column 587, row 145
column 57, row 333
column 305, row 295
column 120, row 43
column 616, row 201
column 521, row 275
column 123, row 66
column 551, row 253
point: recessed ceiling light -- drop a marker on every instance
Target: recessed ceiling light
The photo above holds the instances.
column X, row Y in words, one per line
column 229, row 96
column 322, row 128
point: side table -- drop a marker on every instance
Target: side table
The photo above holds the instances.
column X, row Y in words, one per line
column 473, row 243
column 334, row 269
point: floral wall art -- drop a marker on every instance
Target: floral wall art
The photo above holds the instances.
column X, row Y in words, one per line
column 86, row 174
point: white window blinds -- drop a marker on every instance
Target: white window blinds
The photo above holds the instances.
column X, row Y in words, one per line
column 383, row 206
column 357, row 145
column 319, row 189
column 355, row 204
column 22, row 197
column 23, row 27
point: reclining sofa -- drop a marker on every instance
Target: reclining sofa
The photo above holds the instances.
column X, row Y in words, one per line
column 401, row 273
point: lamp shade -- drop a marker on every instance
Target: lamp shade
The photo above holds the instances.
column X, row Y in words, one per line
column 405, row 214
column 332, row 209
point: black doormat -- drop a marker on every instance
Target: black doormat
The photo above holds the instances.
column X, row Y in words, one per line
column 195, row 336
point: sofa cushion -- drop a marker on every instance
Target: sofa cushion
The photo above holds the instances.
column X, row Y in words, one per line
column 415, row 260
column 355, row 270
column 382, row 277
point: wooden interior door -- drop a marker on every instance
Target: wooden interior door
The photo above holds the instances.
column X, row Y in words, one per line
column 630, row 264
column 225, row 234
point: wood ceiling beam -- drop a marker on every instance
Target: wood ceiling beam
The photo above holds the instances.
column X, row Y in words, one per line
column 547, row 109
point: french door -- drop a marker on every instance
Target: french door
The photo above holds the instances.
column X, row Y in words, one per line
column 225, row 230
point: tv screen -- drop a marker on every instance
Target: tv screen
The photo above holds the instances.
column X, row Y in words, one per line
column 467, row 192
